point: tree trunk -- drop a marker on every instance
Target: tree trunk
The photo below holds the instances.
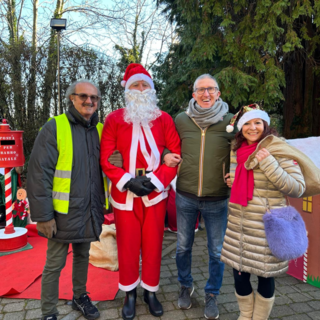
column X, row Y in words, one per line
column 33, row 67
column 316, row 99
column 302, row 96
column 14, row 60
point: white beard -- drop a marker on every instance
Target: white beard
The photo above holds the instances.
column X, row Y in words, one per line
column 141, row 107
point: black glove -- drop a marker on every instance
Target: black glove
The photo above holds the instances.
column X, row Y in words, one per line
column 149, row 185
column 136, row 185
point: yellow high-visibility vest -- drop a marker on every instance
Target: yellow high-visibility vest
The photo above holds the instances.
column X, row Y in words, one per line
column 62, row 175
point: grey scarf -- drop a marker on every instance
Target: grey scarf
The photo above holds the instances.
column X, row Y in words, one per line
column 204, row 117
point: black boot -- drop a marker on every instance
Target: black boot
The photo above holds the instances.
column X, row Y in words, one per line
column 129, row 306
column 155, row 307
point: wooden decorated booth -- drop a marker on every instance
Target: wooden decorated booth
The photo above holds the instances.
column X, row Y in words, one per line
column 307, row 267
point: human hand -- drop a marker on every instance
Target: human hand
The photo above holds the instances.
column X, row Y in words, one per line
column 116, row 159
column 149, row 185
column 228, row 180
column 137, row 186
column 262, row 154
column 172, row 159
column 48, row 228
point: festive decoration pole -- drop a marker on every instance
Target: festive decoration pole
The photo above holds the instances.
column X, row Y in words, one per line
column 9, row 224
column 11, row 155
column 305, row 266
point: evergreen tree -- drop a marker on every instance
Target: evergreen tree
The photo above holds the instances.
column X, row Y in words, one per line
column 260, row 51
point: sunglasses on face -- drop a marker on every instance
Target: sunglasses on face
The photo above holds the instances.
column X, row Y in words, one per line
column 84, row 97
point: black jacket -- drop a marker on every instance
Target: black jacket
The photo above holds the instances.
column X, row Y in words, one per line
column 84, row 220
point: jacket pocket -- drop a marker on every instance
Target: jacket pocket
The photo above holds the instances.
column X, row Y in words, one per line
column 76, row 203
column 73, row 220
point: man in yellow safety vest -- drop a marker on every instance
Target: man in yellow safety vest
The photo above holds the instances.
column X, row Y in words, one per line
column 66, row 194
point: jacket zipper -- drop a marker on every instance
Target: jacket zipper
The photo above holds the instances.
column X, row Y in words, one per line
column 202, row 145
column 241, row 242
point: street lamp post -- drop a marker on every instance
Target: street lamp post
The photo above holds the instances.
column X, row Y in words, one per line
column 58, row 25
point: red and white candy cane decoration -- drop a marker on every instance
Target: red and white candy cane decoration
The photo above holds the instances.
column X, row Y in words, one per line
column 7, row 182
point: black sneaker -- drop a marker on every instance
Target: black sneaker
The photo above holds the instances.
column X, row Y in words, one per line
column 51, row 317
column 85, row 305
column 184, row 300
column 211, row 310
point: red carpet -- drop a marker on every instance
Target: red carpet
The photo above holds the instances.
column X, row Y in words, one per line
column 23, row 276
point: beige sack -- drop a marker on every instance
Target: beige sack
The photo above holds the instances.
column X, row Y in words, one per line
column 104, row 253
column 279, row 148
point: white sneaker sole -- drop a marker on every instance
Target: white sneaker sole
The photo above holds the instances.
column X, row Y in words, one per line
column 217, row 317
column 190, row 302
column 211, row 318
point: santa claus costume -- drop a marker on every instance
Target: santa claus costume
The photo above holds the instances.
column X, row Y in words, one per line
column 140, row 132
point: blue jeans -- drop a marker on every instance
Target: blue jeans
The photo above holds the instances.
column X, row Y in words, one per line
column 215, row 217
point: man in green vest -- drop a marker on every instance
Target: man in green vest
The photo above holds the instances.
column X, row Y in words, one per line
column 205, row 149
column 66, row 194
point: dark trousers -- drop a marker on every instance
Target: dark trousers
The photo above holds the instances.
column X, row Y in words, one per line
column 243, row 287
column 56, row 260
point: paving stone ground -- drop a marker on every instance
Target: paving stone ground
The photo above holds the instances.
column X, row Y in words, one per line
column 295, row 300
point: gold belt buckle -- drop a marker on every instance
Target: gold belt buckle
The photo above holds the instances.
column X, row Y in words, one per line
column 140, row 172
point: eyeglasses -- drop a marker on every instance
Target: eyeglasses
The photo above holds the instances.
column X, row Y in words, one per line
column 210, row 90
column 84, row 97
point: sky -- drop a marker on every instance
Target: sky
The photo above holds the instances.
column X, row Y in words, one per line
column 84, row 28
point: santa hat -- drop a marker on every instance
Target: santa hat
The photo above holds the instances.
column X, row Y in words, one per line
column 136, row 72
column 246, row 113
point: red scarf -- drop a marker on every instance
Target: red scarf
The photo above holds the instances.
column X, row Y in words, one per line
column 243, row 184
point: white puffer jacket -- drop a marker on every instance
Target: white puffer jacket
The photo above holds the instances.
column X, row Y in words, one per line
column 245, row 247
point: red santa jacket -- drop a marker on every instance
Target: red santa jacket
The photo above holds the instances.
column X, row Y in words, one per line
column 140, row 147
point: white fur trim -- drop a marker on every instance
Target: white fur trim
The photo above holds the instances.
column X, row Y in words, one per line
column 124, row 179
column 128, row 205
column 129, row 287
column 155, row 154
column 149, row 288
column 229, row 128
column 123, row 83
column 173, row 184
column 139, row 77
column 134, row 149
column 155, row 181
column 149, row 203
column 254, row 114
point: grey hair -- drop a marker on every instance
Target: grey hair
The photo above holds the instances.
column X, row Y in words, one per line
column 205, row 76
column 71, row 89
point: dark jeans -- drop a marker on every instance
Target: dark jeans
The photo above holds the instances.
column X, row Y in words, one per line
column 56, row 260
column 243, row 287
column 214, row 214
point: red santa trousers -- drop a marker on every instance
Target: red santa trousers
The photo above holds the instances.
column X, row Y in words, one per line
column 140, row 229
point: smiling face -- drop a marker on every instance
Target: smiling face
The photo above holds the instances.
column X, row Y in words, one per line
column 206, row 100
column 85, row 108
column 252, row 130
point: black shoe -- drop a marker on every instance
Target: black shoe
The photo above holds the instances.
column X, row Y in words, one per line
column 51, row 317
column 85, row 305
column 155, row 307
column 129, row 306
